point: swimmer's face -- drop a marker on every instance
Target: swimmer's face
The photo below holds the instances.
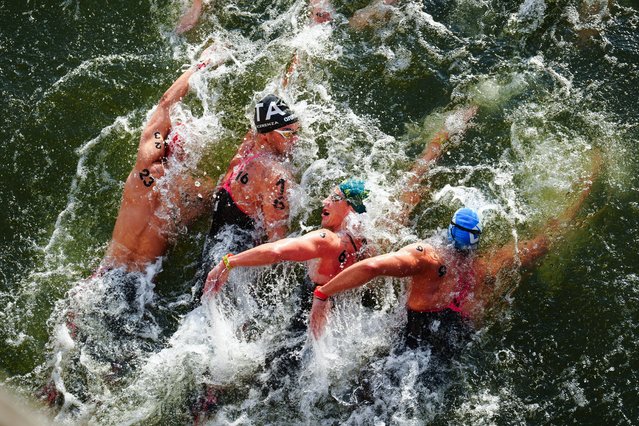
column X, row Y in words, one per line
column 335, row 209
column 282, row 139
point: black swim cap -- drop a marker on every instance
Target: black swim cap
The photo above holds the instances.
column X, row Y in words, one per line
column 272, row 113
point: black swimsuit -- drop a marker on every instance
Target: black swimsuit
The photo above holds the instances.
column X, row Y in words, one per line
column 232, row 231
column 226, row 212
column 446, row 331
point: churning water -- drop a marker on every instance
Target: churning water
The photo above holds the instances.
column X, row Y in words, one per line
column 555, row 83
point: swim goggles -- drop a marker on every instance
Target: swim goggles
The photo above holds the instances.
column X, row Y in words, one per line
column 286, row 134
column 337, row 197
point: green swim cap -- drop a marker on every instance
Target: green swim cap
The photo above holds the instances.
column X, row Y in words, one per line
column 355, row 192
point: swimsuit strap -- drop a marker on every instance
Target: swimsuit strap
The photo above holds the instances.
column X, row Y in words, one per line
column 464, row 284
column 358, row 251
column 352, row 241
column 238, row 168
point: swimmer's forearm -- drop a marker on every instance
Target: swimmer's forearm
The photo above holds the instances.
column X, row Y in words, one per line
column 259, row 256
column 190, row 18
column 430, row 154
column 158, row 126
column 352, row 277
column 398, row 264
column 287, row 249
column 178, row 89
column 160, row 121
column 414, row 191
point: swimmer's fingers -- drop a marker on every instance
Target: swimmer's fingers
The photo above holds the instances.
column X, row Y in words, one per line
column 215, row 279
column 215, row 55
column 319, row 314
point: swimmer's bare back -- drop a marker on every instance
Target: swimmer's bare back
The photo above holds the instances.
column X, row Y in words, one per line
column 149, row 215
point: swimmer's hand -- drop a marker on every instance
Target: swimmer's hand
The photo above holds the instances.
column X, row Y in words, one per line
column 214, row 55
column 320, row 11
column 190, row 18
column 319, row 314
column 215, row 280
column 373, row 14
column 457, row 122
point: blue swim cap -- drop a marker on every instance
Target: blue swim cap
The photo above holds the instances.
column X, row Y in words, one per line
column 464, row 229
column 355, row 192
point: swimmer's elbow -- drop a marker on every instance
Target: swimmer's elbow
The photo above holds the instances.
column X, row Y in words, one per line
column 274, row 253
column 372, row 268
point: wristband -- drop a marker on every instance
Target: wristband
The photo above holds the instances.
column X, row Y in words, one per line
column 201, row 65
column 320, row 295
column 227, row 264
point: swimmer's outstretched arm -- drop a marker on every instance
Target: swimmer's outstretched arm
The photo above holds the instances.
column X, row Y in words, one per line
column 320, row 12
column 406, row 262
column 152, row 148
column 190, row 18
column 528, row 251
column 414, row 190
column 310, row 246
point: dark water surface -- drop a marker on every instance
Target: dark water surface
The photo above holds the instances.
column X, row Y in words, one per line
column 555, row 81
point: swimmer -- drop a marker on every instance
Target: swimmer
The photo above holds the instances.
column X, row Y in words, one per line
column 252, row 200
column 327, row 250
column 449, row 285
column 147, row 220
column 254, row 191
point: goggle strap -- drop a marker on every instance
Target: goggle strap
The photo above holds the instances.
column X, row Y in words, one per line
column 463, row 228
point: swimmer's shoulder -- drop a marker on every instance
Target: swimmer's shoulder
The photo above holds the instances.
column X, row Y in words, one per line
column 424, row 252
column 270, row 167
column 325, row 240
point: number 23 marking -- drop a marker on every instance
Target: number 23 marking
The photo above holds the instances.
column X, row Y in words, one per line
column 146, row 178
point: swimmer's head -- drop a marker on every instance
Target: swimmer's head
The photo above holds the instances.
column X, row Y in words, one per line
column 355, row 193
column 272, row 113
column 464, row 229
column 347, row 197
